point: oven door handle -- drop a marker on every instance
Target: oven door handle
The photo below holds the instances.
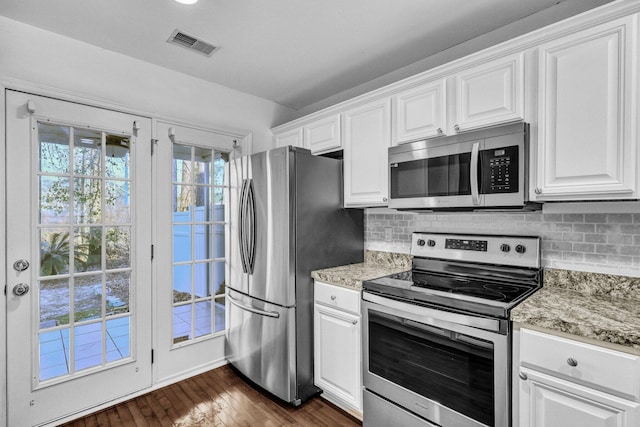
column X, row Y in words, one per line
column 473, row 175
column 434, row 317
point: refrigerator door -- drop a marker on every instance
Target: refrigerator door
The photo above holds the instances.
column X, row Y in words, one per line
column 260, row 344
column 262, row 252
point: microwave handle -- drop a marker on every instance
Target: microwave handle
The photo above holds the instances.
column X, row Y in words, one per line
column 475, row 194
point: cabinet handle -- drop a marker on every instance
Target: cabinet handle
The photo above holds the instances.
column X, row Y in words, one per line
column 440, row 131
column 523, row 376
column 572, row 362
column 456, row 128
column 333, row 297
column 537, row 190
column 384, row 199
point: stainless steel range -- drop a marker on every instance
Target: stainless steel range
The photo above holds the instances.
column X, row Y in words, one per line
column 437, row 339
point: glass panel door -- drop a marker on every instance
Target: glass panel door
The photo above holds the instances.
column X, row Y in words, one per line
column 190, row 257
column 78, row 311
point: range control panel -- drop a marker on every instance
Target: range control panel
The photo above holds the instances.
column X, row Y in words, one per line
column 521, row 251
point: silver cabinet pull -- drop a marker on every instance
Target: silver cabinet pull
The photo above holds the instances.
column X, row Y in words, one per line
column 456, row 128
column 523, row 376
column 537, row 190
column 333, row 297
column 384, row 199
column 572, row 362
column 440, row 131
column 20, row 289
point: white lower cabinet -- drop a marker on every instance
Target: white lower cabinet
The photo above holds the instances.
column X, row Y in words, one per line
column 337, row 336
column 568, row 383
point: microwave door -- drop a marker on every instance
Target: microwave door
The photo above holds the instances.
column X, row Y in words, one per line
column 435, row 178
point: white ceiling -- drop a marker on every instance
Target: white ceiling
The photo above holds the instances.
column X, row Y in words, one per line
column 293, row 52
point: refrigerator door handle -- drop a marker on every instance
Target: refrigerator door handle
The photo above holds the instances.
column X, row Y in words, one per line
column 241, row 225
column 252, row 309
column 251, row 219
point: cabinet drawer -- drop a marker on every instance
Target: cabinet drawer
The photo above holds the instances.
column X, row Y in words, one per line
column 338, row 297
column 597, row 367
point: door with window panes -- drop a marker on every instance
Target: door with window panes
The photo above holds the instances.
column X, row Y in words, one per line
column 78, row 244
column 189, row 248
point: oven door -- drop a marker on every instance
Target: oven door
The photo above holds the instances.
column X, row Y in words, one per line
column 435, row 177
column 451, row 369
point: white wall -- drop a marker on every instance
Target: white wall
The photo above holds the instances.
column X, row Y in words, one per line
column 32, row 56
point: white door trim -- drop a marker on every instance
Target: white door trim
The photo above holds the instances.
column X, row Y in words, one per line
column 3, row 263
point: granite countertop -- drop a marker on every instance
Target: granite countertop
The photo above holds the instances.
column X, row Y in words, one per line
column 594, row 307
column 376, row 264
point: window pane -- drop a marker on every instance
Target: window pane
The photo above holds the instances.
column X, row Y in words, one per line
column 181, row 163
column 87, row 251
column 87, row 200
column 54, row 303
column 203, row 318
column 54, row 354
column 118, row 247
column 117, row 156
column 202, row 165
column 218, row 241
column 203, row 198
column 87, row 152
column 182, row 203
column 54, row 148
column 117, row 202
column 218, row 277
column 219, row 314
column 118, row 291
column 203, row 280
column 88, row 346
column 181, row 243
column 87, row 297
column 54, row 251
column 54, row 200
column 220, row 159
column 218, row 204
column 118, row 341
column 203, row 239
column 181, row 283
column 181, row 323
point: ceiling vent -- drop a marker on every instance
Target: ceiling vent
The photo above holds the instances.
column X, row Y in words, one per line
column 192, row 43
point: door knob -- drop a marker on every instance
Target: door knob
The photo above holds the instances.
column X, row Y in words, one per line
column 21, row 265
column 20, row 289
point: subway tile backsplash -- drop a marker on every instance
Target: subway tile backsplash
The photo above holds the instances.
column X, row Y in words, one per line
column 599, row 242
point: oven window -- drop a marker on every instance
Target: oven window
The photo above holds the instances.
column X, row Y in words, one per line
column 437, row 176
column 450, row 368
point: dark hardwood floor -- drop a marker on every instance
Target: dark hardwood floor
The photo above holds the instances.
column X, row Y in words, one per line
column 215, row 398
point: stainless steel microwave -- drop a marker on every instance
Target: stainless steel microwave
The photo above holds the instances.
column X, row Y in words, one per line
column 483, row 169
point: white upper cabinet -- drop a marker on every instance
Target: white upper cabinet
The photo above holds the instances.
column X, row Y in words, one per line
column 292, row 137
column 490, row 93
column 484, row 95
column 366, row 138
column 323, row 135
column 420, row 112
column 587, row 112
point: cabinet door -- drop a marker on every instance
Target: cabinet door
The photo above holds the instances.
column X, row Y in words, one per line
column 292, row 137
column 337, row 361
column 324, row 135
column 490, row 93
column 367, row 137
column 419, row 112
column 587, row 119
column 547, row 401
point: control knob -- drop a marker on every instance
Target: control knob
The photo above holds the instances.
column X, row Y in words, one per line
column 505, row 248
column 431, row 243
column 420, row 242
column 521, row 249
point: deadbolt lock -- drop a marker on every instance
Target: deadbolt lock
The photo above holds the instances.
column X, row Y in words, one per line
column 21, row 265
column 20, row 289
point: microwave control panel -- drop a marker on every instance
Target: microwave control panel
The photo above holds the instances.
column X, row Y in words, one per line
column 499, row 168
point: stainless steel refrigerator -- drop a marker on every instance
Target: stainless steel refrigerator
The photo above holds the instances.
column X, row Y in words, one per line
column 286, row 219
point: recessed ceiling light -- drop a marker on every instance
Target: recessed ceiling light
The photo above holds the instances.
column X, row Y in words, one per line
column 187, row 1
